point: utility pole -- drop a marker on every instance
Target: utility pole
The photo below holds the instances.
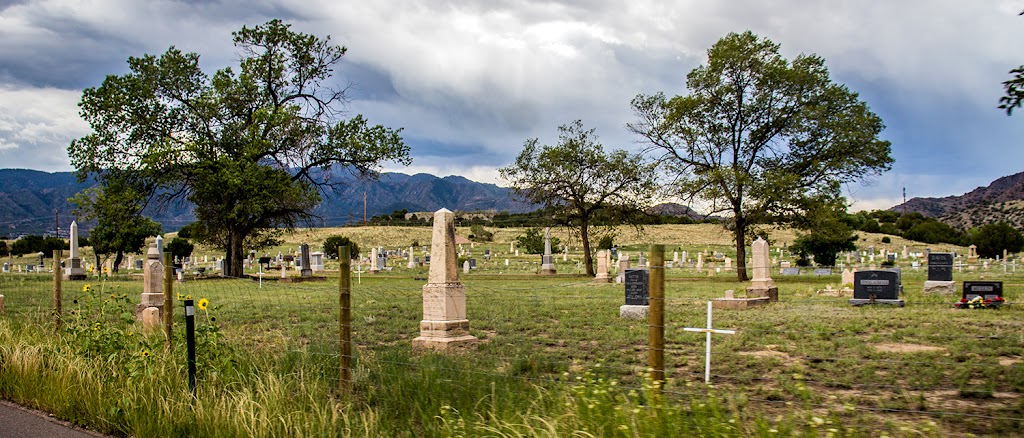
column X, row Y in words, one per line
column 904, row 199
column 56, row 224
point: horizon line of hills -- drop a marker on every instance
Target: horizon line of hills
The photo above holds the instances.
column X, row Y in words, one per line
column 30, row 198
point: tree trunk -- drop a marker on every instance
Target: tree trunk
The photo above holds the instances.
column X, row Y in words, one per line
column 117, row 260
column 741, row 248
column 235, row 256
column 588, row 261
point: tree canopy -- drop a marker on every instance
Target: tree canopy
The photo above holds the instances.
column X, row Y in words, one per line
column 252, row 148
column 578, row 180
column 760, row 137
column 116, row 206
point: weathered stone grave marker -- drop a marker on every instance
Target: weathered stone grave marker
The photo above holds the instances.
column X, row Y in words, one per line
column 444, row 325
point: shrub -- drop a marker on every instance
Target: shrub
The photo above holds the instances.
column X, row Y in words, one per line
column 606, row 242
column 886, row 239
column 479, row 234
column 331, row 245
column 533, row 242
column 992, row 239
column 180, row 247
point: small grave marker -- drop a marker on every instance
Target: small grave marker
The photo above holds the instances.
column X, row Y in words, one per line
column 790, row 271
column 707, row 343
column 822, row 272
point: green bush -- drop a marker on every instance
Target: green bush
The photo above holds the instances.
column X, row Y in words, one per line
column 478, row 233
column 533, row 242
column 886, row 239
column 180, row 247
column 992, row 239
column 331, row 245
column 606, row 242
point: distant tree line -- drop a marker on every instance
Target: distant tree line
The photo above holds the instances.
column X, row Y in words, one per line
column 34, row 245
column 991, row 239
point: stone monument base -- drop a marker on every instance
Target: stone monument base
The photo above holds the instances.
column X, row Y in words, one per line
column 739, row 303
column 940, row 287
column 74, row 277
column 602, row 279
column 289, row 279
column 757, row 292
column 630, row 311
column 547, row 270
column 445, row 335
column 861, row 302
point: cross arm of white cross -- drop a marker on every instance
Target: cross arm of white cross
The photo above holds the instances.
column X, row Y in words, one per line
column 709, row 330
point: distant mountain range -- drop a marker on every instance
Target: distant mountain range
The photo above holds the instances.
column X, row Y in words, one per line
column 29, row 199
column 1002, row 200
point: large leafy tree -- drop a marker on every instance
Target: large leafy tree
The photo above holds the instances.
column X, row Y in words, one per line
column 825, row 233
column 252, row 148
column 992, row 239
column 578, row 180
column 116, row 206
column 760, row 137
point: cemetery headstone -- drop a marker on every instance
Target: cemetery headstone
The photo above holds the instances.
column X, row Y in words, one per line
column 73, row 270
column 374, row 261
column 603, row 260
column 152, row 282
column 940, row 273
column 982, row 294
column 316, row 261
column 762, row 284
column 821, row 272
column 790, row 271
column 307, row 271
column 412, row 260
column 972, row 254
column 876, row 287
column 547, row 264
column 444, row 325
column 637, row 287
column 472, row 263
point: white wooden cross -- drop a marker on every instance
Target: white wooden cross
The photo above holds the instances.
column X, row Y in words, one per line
column 707, row 352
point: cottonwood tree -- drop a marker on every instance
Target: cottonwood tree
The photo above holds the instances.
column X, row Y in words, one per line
column 577, row 179
column 252, row 148
column 760, row 137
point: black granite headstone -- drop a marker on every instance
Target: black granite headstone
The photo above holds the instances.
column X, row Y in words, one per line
column 940, row 266
column 987, row 290
column 472, row 263
column 876, row 285
column 638, row 284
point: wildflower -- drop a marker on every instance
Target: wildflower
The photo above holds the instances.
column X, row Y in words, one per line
column 203, row 302
column 179, row 295
column 213, row 319
column 145, row 353
column 188, row 297
column 87, row 288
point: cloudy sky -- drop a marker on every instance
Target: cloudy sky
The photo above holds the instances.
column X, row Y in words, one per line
column 470, row 81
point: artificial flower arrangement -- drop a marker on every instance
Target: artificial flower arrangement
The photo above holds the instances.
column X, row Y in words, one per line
column 979, row 302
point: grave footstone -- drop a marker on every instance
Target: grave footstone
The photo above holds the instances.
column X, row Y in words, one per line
column 637, row 287
column 790, row 271
column 822, row 272
column 940, row 273
column 876, row 287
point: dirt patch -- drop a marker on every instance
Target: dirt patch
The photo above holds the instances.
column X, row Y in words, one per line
column 781, row 355
column 1009, row 361
column 907, row 348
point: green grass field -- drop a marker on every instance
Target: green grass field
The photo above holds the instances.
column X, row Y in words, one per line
column 554, row 359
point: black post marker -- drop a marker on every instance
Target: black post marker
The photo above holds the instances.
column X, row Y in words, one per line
column 190, row 344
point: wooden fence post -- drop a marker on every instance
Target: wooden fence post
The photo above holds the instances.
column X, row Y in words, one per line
column 57, row 293
column 168, row 300
column 656, row 322
column 345, row 317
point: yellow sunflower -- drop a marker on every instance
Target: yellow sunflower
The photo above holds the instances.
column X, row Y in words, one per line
column 203, row 302
column 86, row 288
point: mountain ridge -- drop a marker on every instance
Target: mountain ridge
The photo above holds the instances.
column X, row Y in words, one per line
column 1001, row 200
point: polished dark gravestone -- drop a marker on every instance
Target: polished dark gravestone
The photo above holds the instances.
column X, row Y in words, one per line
column 638, row 287
column 876, row 287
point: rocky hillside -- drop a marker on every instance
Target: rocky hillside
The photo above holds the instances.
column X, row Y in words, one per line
column 29, row 199
column 1003, row 200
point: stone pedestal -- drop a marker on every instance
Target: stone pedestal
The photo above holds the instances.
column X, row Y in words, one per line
column 74, row 270
column 738, row 303
column 940, row 287
column 771, row 293
column 547, row 266
column 628, row 311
